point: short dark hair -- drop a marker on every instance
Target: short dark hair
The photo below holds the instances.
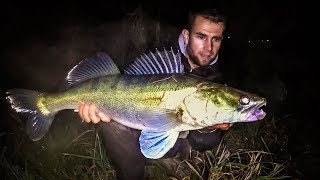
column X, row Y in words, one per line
column 214, row 15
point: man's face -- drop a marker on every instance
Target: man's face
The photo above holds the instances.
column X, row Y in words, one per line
column 203, row 41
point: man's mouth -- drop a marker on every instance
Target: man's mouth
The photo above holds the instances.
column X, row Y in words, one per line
column 206, row 57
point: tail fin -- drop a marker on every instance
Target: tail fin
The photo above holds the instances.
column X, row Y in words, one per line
column 26, row 102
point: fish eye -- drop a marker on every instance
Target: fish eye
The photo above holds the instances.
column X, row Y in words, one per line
column 244, row 100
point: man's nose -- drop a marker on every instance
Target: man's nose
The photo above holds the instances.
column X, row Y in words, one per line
column 208, row 45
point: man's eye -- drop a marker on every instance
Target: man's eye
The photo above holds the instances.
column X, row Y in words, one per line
column 217, row 39
column 201, row 37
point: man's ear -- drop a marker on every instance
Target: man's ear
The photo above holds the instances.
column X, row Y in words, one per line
column 185, row 34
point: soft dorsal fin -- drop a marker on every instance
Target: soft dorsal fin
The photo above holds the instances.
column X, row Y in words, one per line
column 164, row 62
column 99, row 65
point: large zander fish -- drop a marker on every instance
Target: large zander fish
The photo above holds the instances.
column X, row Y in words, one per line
column 153, row 95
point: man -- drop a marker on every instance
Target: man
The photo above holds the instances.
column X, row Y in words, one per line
column 199, row 44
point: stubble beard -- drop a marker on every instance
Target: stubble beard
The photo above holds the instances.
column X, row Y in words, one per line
column 194, row 59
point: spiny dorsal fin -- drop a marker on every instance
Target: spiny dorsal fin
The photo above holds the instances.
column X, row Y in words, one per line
column 99, row 65
column 164, row 62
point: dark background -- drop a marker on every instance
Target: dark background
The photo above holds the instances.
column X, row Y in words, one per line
column 269, row 51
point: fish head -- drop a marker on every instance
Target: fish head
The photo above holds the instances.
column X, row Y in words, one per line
column 216, row 103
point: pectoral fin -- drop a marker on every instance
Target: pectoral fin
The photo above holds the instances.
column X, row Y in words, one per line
column 155, row 145
column 159, row 120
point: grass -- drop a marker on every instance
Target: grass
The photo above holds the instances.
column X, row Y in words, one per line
column 74, row 151
column 243, row 164
column 71, row 151
column 82, row 160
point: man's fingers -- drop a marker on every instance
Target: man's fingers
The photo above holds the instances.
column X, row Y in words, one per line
column 104, row 118
column 85, row 113
column 88, row 113
column 223, row 126
column 92, row 114
column 81, row 106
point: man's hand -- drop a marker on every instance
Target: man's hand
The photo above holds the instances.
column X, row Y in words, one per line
column 88, row 112
column 223, row 126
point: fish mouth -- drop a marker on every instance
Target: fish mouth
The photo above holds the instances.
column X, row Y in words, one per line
column 256, row 113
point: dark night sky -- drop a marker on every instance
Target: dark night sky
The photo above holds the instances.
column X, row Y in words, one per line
column 283, row 22
column 40, row 42
column 36, row 34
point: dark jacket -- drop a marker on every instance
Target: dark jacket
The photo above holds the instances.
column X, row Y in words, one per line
column 210, row 72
